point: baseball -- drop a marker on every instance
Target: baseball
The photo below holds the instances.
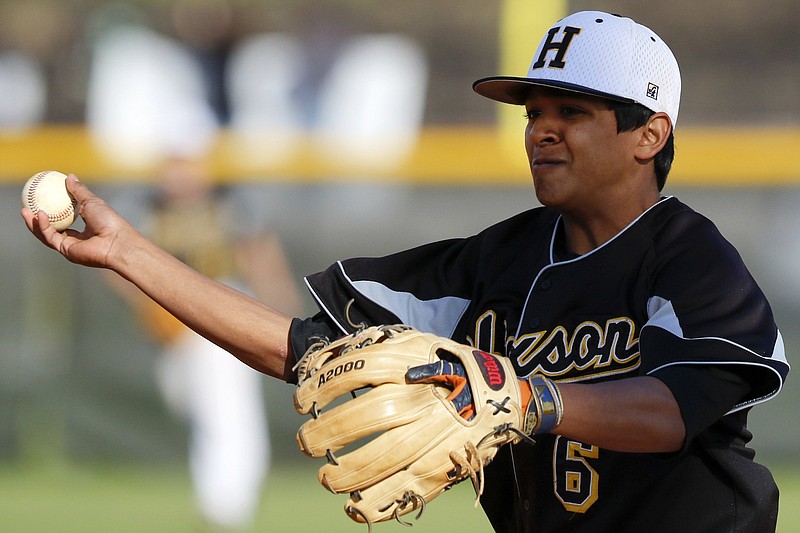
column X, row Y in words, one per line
column 47, row 191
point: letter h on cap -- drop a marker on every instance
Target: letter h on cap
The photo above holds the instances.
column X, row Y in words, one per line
column 559, row 46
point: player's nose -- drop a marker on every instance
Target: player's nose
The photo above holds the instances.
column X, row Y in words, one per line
column 542, row 130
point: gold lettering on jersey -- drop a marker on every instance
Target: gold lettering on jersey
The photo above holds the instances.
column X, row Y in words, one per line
column 575, row 482
column 485, row 331
column 590, row 349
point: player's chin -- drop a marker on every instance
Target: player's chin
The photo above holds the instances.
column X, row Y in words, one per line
column 547, row 192
column 545, row 200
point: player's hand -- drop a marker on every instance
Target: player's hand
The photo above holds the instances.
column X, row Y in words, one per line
column 105, row 234
column 450, row 375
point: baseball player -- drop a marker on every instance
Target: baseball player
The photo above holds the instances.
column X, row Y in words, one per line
column 638, row 320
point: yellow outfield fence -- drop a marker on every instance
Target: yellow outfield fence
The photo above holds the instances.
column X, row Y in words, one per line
column 457, row 156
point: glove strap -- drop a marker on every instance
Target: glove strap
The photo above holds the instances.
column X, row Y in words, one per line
column 545, row 409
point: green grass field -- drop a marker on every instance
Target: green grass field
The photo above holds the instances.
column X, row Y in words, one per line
column 67, row 499
column 115, row 499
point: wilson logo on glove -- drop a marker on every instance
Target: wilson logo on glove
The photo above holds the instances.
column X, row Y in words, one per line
column 339, row 370
column 491, row 370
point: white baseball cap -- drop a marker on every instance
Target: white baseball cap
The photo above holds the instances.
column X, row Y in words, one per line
column 601, row 54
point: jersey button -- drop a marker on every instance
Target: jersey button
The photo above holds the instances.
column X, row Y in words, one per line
column 533, row 323
column 545, row 284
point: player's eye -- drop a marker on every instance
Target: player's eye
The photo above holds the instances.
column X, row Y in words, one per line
column 570, row 110
column 532, row 114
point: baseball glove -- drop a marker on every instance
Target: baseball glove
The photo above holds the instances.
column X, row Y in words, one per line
column 433, row 413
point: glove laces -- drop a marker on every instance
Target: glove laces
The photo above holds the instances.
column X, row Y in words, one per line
column 409, row 498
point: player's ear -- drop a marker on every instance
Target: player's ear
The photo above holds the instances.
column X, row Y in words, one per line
column 654, row 135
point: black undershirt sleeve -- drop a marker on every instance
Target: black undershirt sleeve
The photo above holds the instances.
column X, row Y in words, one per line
column 304, row 332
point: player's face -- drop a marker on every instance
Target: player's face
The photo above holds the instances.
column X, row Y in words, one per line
column 577, row 158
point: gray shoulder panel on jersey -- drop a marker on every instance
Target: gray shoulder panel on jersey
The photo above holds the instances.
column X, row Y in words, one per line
column 439, row 316
column 662, row 314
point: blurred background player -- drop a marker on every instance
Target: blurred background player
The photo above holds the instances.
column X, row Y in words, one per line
column 151, row 98
column 221, row 398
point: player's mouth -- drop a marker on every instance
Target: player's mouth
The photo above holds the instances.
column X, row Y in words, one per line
column 542, row 163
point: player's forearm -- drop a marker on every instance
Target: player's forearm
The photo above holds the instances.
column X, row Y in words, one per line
column 247, row 328
column 632, row 415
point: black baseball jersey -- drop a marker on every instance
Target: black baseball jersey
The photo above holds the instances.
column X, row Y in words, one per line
column 667, row 297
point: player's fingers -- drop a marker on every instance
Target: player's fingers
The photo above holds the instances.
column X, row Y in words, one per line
column 35, row 222
column 27, row 217
column 52, row 237
column 78, row 190
column 448, row 374
column 40, row 226
column 424, row 373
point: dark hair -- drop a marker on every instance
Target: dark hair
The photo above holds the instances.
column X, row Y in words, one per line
column 631, row 116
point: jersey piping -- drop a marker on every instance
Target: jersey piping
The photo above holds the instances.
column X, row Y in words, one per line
column 554, row 261
column 662, row 315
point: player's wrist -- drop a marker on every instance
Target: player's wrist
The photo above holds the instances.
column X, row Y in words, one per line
column 544, row 409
